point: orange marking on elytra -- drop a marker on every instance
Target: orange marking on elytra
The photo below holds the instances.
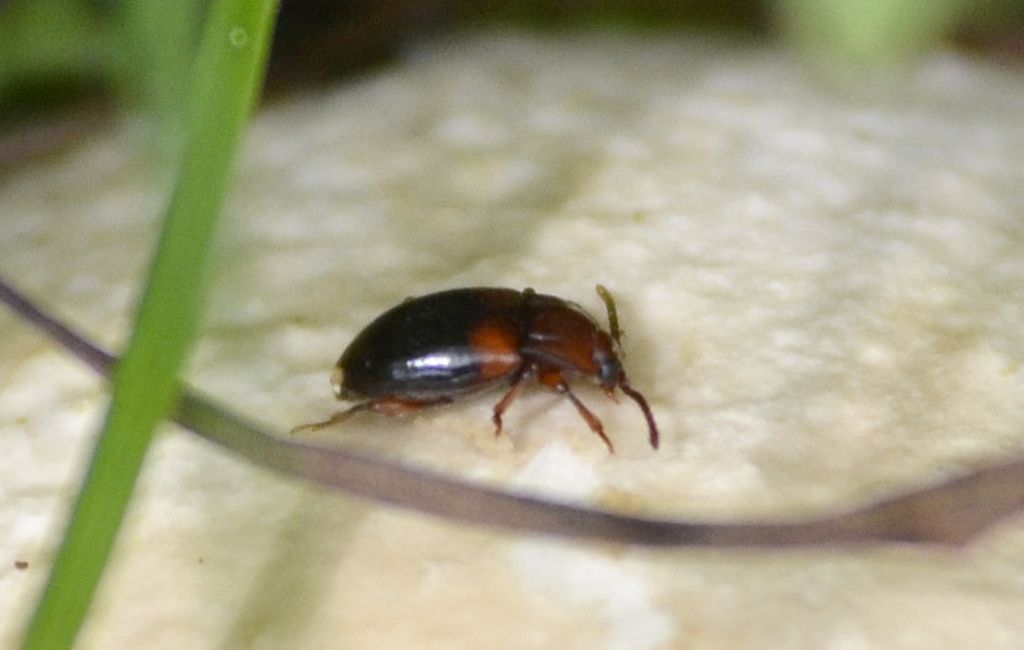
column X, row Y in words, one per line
column 498, row 347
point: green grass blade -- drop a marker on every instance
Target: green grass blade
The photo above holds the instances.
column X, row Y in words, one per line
column 227, row 74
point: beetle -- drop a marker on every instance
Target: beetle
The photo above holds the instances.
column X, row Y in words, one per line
column 432, row 349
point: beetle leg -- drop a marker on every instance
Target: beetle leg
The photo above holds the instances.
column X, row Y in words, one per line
column 592, row 420
column 399, row 406
column 334, row 419
column 506, row 401
column 385, row 405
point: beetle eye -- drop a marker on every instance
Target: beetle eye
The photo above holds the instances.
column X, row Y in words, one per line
column 337, row 378
column 608, row 369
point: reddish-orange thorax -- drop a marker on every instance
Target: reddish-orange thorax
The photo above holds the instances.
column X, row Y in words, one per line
column 559, row 336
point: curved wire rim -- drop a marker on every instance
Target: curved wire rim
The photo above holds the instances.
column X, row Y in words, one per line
column 950, row 512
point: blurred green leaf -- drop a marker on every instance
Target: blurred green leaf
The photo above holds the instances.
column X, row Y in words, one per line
column 50, row 43
column 869, row 32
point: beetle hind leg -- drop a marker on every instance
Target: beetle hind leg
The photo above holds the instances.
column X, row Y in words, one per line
column 340, row 416
column 385, row 405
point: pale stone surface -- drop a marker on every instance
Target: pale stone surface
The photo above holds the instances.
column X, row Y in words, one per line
column 823, row 290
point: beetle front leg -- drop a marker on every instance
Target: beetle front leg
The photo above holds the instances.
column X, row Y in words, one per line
column 552, row 378
column 592, row 420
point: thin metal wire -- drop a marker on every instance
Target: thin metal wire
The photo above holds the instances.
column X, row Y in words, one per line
column 948, row 513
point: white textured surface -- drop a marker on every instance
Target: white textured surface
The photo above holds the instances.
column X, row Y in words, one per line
column 823, row 291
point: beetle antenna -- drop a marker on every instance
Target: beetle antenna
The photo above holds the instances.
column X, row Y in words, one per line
column 613, row 313
column 639, row 399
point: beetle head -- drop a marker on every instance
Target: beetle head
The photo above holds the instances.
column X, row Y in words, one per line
column 609, row 369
